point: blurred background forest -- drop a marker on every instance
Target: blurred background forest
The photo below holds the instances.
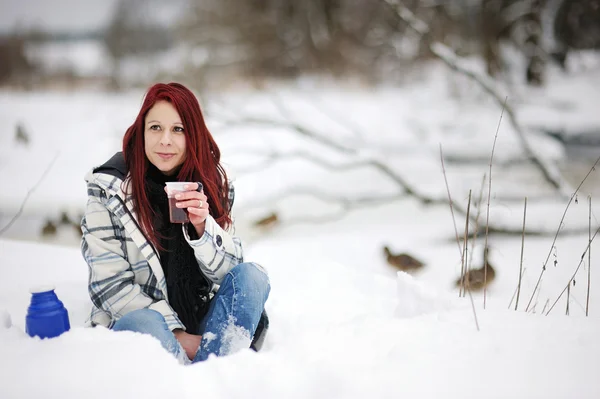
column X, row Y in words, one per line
column 119, row 44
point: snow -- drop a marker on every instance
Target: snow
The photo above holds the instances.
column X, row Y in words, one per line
column 335, row 332
column 343, row 323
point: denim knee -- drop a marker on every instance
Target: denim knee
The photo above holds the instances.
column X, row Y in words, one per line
column 253, row 277
column 141, row 320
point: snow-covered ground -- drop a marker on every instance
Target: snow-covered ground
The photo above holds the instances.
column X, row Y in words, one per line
column 344, row 324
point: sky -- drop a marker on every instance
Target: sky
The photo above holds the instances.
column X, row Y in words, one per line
column 55, row 15
column 75, row 15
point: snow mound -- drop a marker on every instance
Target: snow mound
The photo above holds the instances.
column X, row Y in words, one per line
column 415, row 298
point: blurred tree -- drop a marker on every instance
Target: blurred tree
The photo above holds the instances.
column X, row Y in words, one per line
column 520, row 23
column 576, row 26
column 367, row 38
column 15, row 67
column 134, row 31
column 289, row 37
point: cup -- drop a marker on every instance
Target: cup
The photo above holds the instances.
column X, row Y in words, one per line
column 46, row 315
column 176, row 215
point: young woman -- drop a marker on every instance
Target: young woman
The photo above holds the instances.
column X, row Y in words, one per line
column 155, row 277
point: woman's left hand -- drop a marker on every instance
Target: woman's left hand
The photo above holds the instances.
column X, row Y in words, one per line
column 196, row 204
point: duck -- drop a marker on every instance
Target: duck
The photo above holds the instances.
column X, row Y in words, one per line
column 476, row 279
column 49, row 228
column 21, row 135
column 64, row 218
column 267, row 221
column 403, row 261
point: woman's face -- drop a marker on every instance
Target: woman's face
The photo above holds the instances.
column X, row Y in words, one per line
column 164, row 137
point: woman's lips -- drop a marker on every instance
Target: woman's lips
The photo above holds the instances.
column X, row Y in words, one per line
column 165, row 156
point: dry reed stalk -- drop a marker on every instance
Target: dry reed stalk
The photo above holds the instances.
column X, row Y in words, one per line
column 522, row 250
column 593, row 168
column 465, row 247
column 474, row 236
column 487, row 220
column 568, row 299
column 576, row 270
column 460, row 251
column 587, row 301
column 465, row 262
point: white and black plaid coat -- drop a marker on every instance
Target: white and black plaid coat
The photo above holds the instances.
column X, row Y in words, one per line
column 124, row 269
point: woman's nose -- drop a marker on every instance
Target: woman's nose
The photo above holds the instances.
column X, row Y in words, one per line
column 165, row 139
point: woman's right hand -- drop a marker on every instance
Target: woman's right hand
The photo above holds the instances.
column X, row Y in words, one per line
column 190, row 342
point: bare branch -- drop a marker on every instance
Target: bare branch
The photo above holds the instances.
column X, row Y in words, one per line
column 272, row 157
column 29, row 192
column 296, row 127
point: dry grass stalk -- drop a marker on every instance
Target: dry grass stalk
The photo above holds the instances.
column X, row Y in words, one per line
column 512, row 298
column 463, row 268
column 450, row 200
column 460, row 251
column 568, row 299
column 522, row 250
column 474, row 235
column 587, row 301
column 465, row 262
column 560, row 225
column 576, row 270
column 545, row 305
column 487, row 219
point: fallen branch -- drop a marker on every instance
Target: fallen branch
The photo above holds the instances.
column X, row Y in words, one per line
column 298, row 128
column 365, row 161
column 346, row 204
column 272, row 157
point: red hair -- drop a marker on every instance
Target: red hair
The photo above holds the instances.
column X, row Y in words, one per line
column 202, row 157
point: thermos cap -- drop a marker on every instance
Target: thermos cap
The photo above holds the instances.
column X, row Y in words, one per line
column 38, row 289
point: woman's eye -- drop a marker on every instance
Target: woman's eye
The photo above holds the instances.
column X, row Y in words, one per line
column 155, row 127
column 178, row 129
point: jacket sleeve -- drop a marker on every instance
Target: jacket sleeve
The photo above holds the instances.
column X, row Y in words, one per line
column 217, row 251
column 111, row 283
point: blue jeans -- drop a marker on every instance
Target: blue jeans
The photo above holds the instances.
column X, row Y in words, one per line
column 229, row 325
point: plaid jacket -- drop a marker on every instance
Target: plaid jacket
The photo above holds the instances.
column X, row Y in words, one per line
column 124, row 269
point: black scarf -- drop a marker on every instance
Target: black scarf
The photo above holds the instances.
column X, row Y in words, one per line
column 187, row 287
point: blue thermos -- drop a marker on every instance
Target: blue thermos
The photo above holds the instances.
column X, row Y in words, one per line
column 46, row 315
